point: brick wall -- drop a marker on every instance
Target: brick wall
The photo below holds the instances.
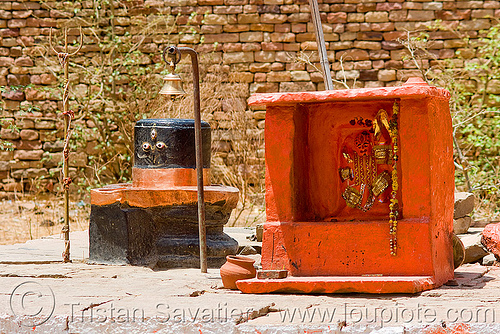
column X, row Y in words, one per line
column 268, row 45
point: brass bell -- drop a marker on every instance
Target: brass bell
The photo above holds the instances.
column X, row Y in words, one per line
column 172, row 85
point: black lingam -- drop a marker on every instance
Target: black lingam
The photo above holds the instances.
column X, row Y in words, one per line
column 153, row 221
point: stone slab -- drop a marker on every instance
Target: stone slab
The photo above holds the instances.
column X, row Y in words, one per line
column 338, row 284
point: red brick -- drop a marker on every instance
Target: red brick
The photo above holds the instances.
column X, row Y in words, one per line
column 270, row 46
column 366, row 7
column 353, row 54
column 388, row 6
column 28, row 144
column 16, row 23
column 337, row 18
column 23, row 61
column 370, row 36
column 461, row 14
column 264, row 27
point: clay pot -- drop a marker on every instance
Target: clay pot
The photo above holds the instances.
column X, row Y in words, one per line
column 236, row 268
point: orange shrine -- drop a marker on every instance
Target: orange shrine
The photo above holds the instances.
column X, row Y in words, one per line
column 359, row 190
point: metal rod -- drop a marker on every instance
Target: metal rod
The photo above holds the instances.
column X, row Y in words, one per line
column 172, row 50
column 320, row 40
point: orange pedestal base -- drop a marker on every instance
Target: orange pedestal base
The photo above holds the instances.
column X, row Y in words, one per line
column 323, row 157
column 338, row 284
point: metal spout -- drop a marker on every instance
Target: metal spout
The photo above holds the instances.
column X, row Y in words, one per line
column 172, row 85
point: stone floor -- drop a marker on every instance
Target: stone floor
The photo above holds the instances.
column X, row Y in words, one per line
column 40, row 294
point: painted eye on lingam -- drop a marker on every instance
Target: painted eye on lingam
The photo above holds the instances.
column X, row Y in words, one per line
column 160, row 145
column 146, row 147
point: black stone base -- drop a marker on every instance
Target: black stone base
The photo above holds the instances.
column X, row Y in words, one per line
column 163, row 237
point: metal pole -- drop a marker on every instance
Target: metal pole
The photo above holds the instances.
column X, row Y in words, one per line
column 199, row 152
column 320, row 40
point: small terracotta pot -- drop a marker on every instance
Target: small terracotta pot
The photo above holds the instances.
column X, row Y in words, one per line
column 236, row 268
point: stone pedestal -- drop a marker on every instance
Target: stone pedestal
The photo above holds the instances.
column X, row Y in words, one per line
column 154, row 220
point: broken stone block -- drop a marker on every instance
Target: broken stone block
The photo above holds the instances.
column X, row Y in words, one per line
column 491, row 239
column 464, row 204
column 461, row 225
column 489, row 260
column 474, row 249
column 272, row 274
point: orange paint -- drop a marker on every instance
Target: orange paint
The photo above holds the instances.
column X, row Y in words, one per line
column 310, row 230
column 170, row 177
column 147, row 197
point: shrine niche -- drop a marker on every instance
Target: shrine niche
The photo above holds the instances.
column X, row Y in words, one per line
column 359, row 184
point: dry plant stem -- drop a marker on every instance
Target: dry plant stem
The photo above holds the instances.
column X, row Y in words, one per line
column 461, row 160
column 68, row 115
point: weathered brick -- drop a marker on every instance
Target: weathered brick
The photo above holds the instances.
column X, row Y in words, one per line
column 265, row 87
column 29, row 134
column 420, row 15
column 241, row 77
column 363, row 65
column 349, row 75
column 250, row 47
column 392, row 45
column 13, row 187
column 355, row 17
column 260, row 67
column 254, row 36
column 296, row 87
column 337, row 17
column 376, row 17
column 286, row 37
column 215, row 19
column 398, row 15
column 18, row 80
column 228, row 9
column 273, row 18
column 394, row 64
column 28, row 145
column 353, row 54
column 23, row 61
column 370, row 36
column 221, row 38
column 388, row 6
column 5, row 15
column 28, row 154
column 248, row 18
column 478, row 24
column 21, row 14
column 300, row 76
column 233, row 28
column 45, row 124
column 366, row 7
column 16, row 23
column 16, row 95
column 379, row 54
column 263, row 27
column 367, row 45
column 260, row 77
column 271, row 46
column 6, row 61
column 9, row 134
column 265, row 56
column 299, row 17
column 238, row 57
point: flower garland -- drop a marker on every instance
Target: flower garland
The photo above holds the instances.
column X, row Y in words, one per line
column 394, row 205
